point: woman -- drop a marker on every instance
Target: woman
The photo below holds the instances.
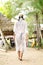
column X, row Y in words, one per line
column 20, row 30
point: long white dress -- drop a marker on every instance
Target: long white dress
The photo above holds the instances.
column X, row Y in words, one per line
column 20, row 29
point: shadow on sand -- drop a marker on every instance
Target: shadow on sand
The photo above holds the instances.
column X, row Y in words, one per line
column 27, row 60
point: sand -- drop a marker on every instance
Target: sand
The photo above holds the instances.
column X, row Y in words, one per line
column 31, row 56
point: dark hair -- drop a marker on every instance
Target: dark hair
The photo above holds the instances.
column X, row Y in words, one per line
column 21, row 16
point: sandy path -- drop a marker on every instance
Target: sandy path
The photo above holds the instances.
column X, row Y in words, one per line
column 31, row 57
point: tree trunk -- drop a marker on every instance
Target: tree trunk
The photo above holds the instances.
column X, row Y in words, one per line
column 38, row 30
column 42, row 16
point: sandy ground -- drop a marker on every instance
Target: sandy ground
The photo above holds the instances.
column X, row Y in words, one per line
column 31, row 57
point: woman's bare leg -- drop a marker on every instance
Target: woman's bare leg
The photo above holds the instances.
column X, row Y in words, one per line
column 19, row 54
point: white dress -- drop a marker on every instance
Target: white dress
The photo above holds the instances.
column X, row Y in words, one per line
column 20, row 29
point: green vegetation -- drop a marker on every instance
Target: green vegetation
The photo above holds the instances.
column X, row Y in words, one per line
column 33, row 10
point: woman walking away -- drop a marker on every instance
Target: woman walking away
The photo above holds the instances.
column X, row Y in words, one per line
column 20, row 30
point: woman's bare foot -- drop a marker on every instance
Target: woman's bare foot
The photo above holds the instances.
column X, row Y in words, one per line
column 20, row 59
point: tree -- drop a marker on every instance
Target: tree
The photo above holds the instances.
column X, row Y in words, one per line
column 6, row 9
column 38, row 6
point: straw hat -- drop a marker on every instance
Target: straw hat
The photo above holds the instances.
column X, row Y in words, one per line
column 20, row 15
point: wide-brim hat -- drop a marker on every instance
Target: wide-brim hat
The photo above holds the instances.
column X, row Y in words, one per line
column 20, row 15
